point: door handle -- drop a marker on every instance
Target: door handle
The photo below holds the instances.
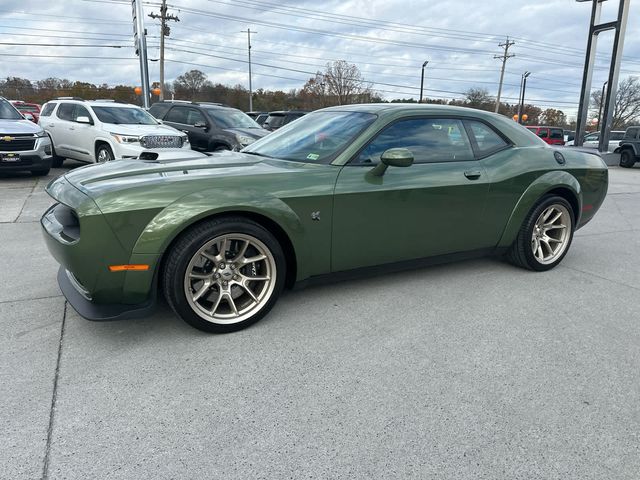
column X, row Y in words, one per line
column 472, row 174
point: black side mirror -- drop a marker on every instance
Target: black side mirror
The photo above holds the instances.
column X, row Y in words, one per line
column 393, row 157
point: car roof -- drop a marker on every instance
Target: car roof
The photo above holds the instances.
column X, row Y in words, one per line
column 95, row 103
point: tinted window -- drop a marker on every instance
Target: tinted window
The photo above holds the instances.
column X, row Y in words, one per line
column 592, row 137
column 429, row 139
column 543, row 133
column 631, row 133
column 159, row 109
column 80, row 111
column 275, row 121
column 177, row 115
column 557, row 133
column 616, row 136
column 230, row 118
column 124, row 115
column 195, row 116
column 65, row 111
column 48, row 108
column 487, row 140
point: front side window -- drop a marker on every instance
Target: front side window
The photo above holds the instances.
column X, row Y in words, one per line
column 230, row 118
column 557, row 134
column 124, row 116
column 195, row 117
column 177, row 115
column 487, row 140
column 317, row 138
column 80, row 111
column 593, row 137
column 65, row 111
column 543, row 133
column 428, row 139
column 631, row 133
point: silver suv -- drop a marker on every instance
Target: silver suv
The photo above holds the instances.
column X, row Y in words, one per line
column 23, row 144
column 102, row 130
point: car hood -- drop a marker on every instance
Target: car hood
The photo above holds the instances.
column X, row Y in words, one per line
column 160, row 180
column 18, row 126
column 249, row 132
column 139, row 130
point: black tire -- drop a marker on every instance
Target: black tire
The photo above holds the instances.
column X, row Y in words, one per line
column 56, row 161
column 627, row 159
column 186, row 248
column 521, row 252
column 104, row 149
column 40, row 172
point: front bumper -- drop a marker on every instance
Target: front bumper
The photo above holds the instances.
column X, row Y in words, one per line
column 39, row 158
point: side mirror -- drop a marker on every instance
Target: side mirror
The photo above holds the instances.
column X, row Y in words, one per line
column 28, row 116
column 394, row 157
column 201, row 125
column 83, row 119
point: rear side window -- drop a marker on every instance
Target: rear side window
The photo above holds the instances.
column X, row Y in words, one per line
column 65, row 111
column 487, row 140
column 557, row 134
column 48, row 109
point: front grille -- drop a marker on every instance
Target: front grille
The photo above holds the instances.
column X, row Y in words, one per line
column 161, row 141
column 22, row 143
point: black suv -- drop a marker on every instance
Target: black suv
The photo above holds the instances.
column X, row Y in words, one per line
column 275, row 120
column 210, row 126
column 629, row 147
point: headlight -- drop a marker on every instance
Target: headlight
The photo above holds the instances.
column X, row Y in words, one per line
column 41, row 134
column 120, row 138
column 244, row 140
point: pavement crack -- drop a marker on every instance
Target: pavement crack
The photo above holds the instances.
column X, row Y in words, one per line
column 31, row 299
column 600, row 277
column 24, row 204
column 54, row 397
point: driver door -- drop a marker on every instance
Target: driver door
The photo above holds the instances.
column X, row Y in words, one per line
column 432, row 207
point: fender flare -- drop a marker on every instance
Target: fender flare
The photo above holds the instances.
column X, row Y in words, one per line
column 170, row 222
column 542, row 185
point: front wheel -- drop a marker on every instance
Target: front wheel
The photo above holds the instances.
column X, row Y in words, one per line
column 224, row 274
column 627, row 159
column 545, row 235
column 104, row 154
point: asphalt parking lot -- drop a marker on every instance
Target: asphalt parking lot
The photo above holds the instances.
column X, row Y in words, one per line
column 470, row 370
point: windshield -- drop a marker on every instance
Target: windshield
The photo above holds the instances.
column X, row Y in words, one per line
column 7, row 112
column 124, row 115
column 316, row 138
column 228, row 118
column 27, row 108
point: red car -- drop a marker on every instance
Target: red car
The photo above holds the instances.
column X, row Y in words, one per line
column 25, row 108
column 551, row 135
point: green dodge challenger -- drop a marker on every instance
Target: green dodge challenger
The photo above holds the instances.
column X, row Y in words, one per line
column 357, row 188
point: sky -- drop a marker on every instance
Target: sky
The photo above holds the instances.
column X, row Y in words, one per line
column 388, row 40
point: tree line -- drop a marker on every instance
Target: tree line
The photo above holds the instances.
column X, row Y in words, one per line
column 339, row 84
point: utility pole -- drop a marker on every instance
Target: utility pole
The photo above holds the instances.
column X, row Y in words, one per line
column 164, row 32
column 523, row 87
column 140, row 42
column 249, row 32
column 504, row 57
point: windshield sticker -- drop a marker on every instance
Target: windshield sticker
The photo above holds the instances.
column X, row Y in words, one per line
column 313, row 156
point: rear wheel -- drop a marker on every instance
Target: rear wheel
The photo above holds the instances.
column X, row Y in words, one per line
column 545, row 235
column 224, row 274
column 627, row 159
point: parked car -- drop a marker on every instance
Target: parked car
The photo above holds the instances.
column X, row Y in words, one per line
column 259, row 117
column 31, row 111
column 275, row 120
column 344, row 189
column 629, row 147
column 103, row 130
column 551, row 135
column 24, row 146
column 569, row 135
column 210, row 126
column 592, row 140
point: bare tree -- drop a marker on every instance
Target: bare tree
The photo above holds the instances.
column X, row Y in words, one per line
column 190, row 84
column 345, row 84
column 626, row 110
column 553, row 117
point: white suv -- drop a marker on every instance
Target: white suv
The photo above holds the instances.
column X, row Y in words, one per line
column 102, row 130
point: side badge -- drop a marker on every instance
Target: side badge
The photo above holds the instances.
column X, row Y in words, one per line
column 315, row 216
column 559, row 158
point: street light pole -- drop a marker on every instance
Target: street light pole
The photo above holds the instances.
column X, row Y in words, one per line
column 604, row 86
column 249, row 32
column 422, row 80
column 523, row 86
